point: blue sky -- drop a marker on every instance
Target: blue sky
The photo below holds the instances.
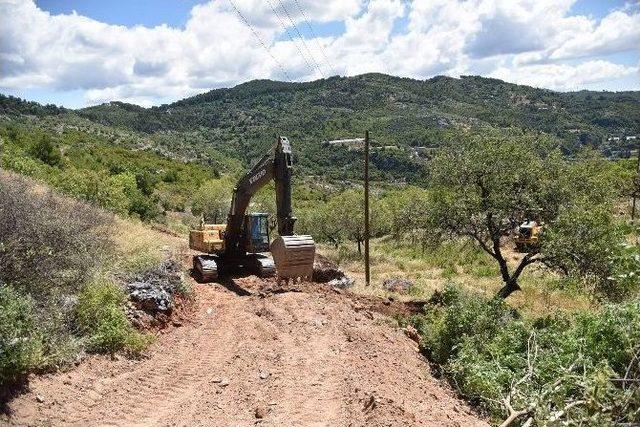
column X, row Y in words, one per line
column 148, row 52
column 126, row 12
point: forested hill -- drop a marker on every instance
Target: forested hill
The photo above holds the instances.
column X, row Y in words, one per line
column 400, row 112
column 403, row 110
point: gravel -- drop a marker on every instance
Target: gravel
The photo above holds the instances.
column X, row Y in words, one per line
column 153, row 290
column 397, row 284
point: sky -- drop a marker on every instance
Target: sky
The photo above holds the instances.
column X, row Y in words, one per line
column 78, row 53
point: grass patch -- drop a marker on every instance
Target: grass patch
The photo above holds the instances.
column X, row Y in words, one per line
column 139, row 248
column 100, row 317
column 543, row 292
column 21, row 342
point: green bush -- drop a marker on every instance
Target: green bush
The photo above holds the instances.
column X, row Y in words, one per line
column 586, row 242
column 458, row 316
column 20, row 338
column 624, row 280
column 100, row 316
column 557, row 370
column 45, row 150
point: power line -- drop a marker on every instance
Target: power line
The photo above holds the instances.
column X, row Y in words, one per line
column 314, row 34
column 301, row 37
column 257, row 36
column 291, row 38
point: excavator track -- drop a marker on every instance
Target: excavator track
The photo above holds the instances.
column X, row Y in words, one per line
column 205, row 267
column 262, row 266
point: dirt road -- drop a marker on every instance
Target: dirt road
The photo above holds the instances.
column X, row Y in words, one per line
column 290, row 358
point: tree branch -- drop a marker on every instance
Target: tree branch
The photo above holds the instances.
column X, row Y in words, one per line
column 532, row 354
column 528, row 259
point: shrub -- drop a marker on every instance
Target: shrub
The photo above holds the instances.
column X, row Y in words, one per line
column 556, row 370
column 145, row 207
column 146, row 182
column 212, row 200
column 45, row 150
column 170, row 176
column 100, row 316
column 624, row 280
column 48, row 242
column 585, row 242
column 20, row 339
column 458, row 316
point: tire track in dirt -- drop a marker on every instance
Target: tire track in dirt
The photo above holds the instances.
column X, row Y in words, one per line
column 292, row 358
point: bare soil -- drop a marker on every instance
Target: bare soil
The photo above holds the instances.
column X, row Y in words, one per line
column 255, row 352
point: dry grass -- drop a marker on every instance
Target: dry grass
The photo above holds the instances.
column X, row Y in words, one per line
column 139, row 247
column 459, row 263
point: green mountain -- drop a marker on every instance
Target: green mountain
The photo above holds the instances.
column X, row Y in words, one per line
column 408, row 117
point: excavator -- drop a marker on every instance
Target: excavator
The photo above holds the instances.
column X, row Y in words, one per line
column 242, row 243
column 527, row 236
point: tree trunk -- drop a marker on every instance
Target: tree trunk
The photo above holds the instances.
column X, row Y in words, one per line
column 359, row 250
column 510, row 287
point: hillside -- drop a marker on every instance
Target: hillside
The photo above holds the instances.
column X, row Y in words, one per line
column 321, row 108
column 240, row 122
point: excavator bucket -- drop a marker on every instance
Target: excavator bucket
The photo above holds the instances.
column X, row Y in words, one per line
column 293, row 256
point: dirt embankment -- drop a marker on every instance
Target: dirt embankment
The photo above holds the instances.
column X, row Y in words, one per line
column 273, row 356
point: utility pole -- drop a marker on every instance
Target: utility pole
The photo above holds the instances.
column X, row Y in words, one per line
column 367, row 273
column 636, row 187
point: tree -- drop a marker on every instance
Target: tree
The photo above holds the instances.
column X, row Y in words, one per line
column 407, row 209
column 585, row 242
column 45, row 150
column 346, row 212
column 319, row 222
column 485, row 186
column 146, row 182
column 212, row 200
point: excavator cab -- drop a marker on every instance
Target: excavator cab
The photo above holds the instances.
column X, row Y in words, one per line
column 257, row 229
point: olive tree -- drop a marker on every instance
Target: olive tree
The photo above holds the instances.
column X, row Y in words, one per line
column 342, row 218
column 485, row 186
column 212, row 200
column 586, row 243
column 407, row 209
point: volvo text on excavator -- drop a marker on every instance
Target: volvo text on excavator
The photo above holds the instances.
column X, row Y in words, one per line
column 242, row 242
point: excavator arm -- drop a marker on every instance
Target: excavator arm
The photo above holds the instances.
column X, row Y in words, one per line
column 276, row 165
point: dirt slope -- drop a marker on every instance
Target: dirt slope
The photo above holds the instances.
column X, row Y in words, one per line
column 289, row 358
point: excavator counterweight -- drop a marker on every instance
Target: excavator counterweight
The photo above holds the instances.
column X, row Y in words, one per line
column 242, row 242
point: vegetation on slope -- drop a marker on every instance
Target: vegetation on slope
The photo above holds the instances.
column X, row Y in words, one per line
column 412, row 116
column 555, row 370
column 482, row 155
column 58, row 258
column 124, row 181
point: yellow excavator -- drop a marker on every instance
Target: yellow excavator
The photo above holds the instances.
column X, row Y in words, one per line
column 527, row 236
column 243, row 242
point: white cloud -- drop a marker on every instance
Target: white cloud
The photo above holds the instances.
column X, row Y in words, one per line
column 565, row 77
column 534, row 42
column 617, row 32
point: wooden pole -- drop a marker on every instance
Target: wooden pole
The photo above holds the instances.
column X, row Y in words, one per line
column 367, row 273
column 636, row 182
